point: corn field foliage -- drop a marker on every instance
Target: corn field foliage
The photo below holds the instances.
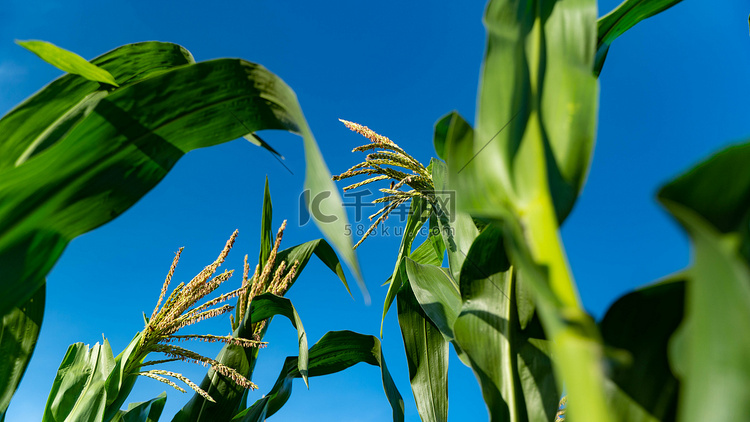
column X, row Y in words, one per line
column 89, row 145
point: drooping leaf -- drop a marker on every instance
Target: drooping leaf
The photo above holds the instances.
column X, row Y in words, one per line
column 304, row 251
column 147, row 411
column 512, row 364
column 334, row 352
column 68, row 61
column 90, row 166
column 713, row 365
column 227, row 394
column 18, row 336
column 640, row 324
column 624, row 17
column 44, row 118
column 254, row 139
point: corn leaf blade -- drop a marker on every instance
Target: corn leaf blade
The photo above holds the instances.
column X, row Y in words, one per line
column 334, row 352
column 68, row 61
column 513, row 365
column 126, row 144
column 426, row 348
column 624, row 17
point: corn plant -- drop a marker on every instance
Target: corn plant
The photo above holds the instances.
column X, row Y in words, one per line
column 507, row 301
column 92, row 384
column 86, row 147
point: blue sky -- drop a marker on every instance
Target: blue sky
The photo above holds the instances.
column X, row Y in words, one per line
column 673, row 90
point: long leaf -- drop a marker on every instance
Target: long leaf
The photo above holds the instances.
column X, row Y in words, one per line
column 67, row 61
column 96, row 165
column 624, row 17
column 512, row 364
column 266, row 229
column 228, row 395
column 18, row 336
column 426, row 356
column 303, row 252
column 713, row 364
column 43, row 119
column 426, row 348
column 334, row 352
column 436, row 293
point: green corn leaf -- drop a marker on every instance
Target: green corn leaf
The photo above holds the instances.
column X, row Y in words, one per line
column 426, row 356
column 624, row 17
column 426, row 348
column 91, row 383
column 419, row 213
column 304, row 251
column 437, row 294
column 258, row 141
column 67, row 61
column 334, row 352
column 147, row 411
column 46, row 117
column 638, row 327
column 79, row 390
column 512, row 364
column 266, row 228
column 713, row 365
column 87, row 169
column 228, row 396
column 18, row 336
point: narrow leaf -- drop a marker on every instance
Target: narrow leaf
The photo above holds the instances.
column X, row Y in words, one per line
column 67, row 61
column 513, row 365
column 426, row 356
column 334, row 352
column 624, row 17
column 266, row 229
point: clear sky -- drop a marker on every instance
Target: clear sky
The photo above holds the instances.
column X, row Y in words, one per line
column 674, row 89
